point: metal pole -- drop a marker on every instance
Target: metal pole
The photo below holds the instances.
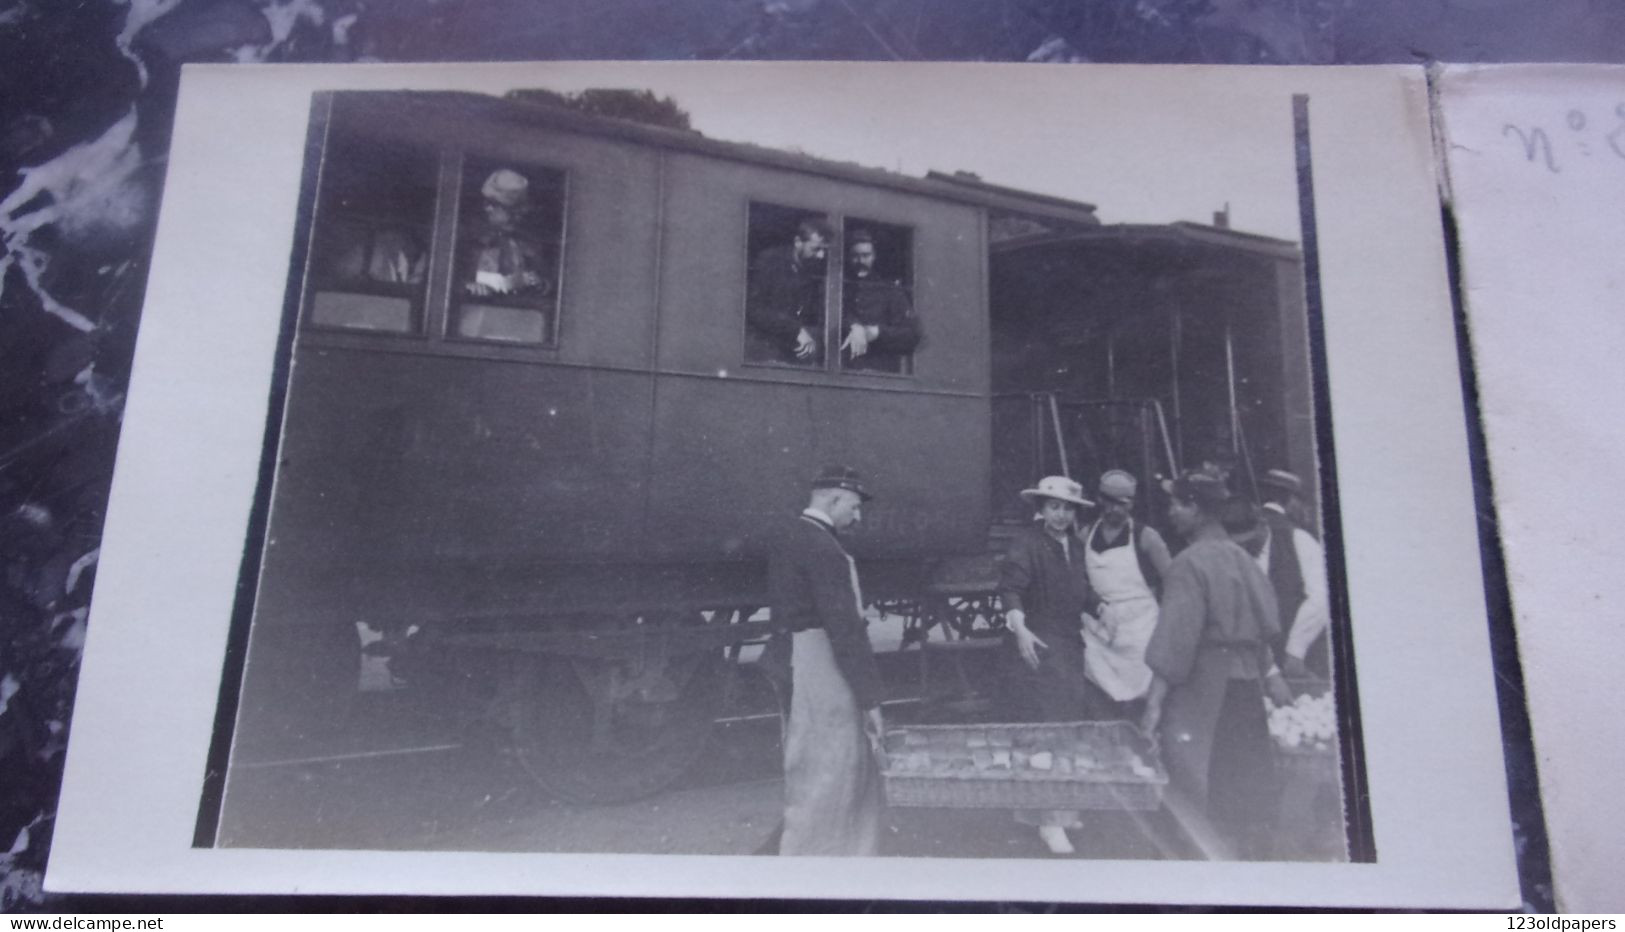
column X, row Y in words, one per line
column 1039, row 464
column 1111, row 363
column 1060, row 440
column 1148, row 455
column 1167, row 443
column 1230, row 386
column 1174, row 336
column 1238, row 442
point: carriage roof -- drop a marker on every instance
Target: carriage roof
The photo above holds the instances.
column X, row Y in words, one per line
column 957, row 187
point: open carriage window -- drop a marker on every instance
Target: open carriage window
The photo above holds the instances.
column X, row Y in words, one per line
column 373, row 222
column 510, row 237
column 879, row 329
column 784, row 291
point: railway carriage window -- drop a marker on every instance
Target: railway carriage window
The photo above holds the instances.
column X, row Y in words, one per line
column 879, row 329
column 510, row 235
column 370, row 250
column 784, row 290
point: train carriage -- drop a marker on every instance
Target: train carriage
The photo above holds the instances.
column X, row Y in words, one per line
column 547, row 456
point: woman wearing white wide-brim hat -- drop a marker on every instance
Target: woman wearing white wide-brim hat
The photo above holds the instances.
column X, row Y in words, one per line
column 1044, row 588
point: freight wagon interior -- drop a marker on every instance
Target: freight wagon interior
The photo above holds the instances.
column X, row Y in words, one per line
column 1145, row 348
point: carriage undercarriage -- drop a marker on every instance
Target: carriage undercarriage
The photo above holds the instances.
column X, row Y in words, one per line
column 610, row 710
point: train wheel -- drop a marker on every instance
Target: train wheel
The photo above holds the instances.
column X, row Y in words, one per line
column 595, row 730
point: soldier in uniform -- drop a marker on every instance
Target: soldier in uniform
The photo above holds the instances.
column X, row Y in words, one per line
column 877, row 317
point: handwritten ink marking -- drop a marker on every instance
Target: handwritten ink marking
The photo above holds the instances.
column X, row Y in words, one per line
column 1577, row 120
column 1536, row 141
column 1616, row 139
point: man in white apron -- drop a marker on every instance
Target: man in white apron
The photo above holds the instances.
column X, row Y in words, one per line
column 1126, row 562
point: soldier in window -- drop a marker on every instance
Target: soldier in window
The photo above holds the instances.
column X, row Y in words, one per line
column 784, row 308
column 877, row 317
column 503, row 257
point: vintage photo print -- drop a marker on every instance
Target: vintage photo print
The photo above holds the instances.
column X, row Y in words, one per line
column 645, row 468
column 561, row 369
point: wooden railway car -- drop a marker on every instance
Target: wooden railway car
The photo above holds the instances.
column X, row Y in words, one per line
column 524, row 428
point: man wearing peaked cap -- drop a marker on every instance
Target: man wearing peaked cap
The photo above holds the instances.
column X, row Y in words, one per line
column 1282, row 492
column 1282, row 479
column 1296, row 566
column 842, row 477
column 1205, row 488
column 1212, row 664
column 833, row 795
column 1044, row 589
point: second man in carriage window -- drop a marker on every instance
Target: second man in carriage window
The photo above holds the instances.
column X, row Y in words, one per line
column 878, row 326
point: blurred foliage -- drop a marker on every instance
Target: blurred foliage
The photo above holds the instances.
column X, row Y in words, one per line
column 616, row 103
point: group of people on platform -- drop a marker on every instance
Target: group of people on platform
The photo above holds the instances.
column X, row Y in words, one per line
column 1103, row 622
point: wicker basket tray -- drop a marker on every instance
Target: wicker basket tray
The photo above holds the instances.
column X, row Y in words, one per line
column 1108, row 765
column 1307, row 760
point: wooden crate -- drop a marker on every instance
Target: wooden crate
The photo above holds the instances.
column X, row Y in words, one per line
column 1108, row 765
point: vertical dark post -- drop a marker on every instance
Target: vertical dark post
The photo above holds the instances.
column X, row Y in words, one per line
column 1111, row 363
column 1356, row 788
column 1175, row 338
column 248, row 574
column 1230, row 386
column 443, row 258
column 1148, row 457
column 1532, row 845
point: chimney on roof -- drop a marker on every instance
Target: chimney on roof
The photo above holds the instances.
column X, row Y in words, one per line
column 1221, row 218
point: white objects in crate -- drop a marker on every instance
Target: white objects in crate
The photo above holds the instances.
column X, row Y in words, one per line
column 1309, row 723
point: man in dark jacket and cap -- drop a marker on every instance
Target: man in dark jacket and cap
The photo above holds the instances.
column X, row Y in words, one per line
column 833, row 796
column 1212, row 664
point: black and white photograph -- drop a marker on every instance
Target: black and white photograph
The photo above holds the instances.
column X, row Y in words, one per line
column 642, row 491
column 811, row 461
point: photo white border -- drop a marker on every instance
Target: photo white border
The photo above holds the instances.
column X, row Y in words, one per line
column 190, row 452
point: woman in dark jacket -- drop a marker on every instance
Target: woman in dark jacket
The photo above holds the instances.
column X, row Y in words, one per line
column 1044, row 588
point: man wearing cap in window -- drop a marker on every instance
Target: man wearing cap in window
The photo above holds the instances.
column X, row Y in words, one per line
column 1126, row 562
column 833, row 796
column 1044, row 589
column 1212, row 662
